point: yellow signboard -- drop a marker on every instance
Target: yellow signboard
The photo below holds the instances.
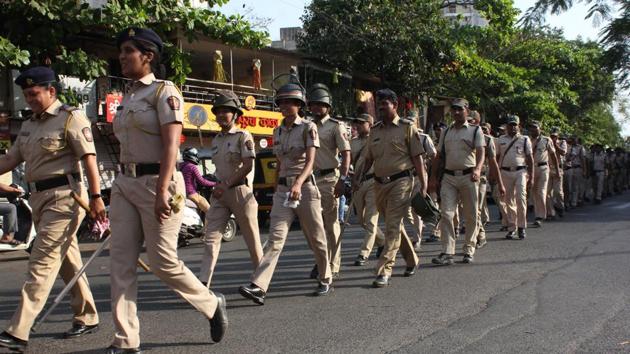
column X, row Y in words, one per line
column 255, row 121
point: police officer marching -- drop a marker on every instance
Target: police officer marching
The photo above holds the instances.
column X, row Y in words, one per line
column 574, row 171
column 329, row 174
column 460, row 158
column 544, row 157
column 51, row 143
column 233, row 155
column 517, row 170
column 598, row 161
column 394, row 149
column 144, row 200
column 295, row 142
column 363, row 189
column 555, row 190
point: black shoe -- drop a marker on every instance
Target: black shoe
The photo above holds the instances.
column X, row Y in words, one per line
column 79, row 329
column 538, row 222
column 219, row 322
column 314, row 272
column 381, row 281
column 521, row 233
column 417, row 246
column 253, row 293
column 336, row 275
column 467, row 259
column 323, row 290
column 115, row 350
column 481, row 243
column 410, row 271
column 379, row 250
column 561, row 212
column 503, row 228
column 432, row 238
column 510, row 235
column 598, row 201
column 360, row 261
column 12, row 343
column 443, row 259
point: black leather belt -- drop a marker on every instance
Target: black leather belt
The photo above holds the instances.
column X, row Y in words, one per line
column 369, row 176
column 512, row 169
column 570, row 167
column 543, row 164
column 283, row 180
column 322, row 173
column 54, row 182
column 139, row 169
column 598, row 171
column 458, row 172
column 392, row 178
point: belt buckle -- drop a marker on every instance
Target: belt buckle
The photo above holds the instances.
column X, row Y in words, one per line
column 32, row 186
column 512, row 169
column 317, row 173
column 459, row 172
column 386, row 180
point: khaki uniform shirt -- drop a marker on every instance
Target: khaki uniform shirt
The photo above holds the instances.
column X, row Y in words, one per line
column 229, row 150
column 145, row 108
column 599, row 161
column 391, row 147
column 358, row 146
column 52, row 143
column 514, row 157
column 543, row 146
column 459, row 146
column 289, row 145
column 574, row 156
column 333, row 138
column 491, row 152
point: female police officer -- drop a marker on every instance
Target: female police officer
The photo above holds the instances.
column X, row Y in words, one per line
column 294, row 143
column 148, row 126
column 233, row 156
column 51, row 143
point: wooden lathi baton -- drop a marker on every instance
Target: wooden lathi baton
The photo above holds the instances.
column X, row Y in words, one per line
column 81, row 271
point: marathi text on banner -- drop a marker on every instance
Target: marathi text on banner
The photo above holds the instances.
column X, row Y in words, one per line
column 257, row 122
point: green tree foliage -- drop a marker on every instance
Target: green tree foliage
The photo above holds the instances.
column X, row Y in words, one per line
column 533, row 72
column 45, row 32
column 614, row 35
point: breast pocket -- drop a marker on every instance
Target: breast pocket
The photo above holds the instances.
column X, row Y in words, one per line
column 398, row 144
column 143, row 116
column 52, row 142
column 296, row 150
column 377, row 148
column 234, row 154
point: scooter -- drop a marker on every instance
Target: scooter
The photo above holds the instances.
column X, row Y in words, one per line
column 26, row 229
column 193, row 223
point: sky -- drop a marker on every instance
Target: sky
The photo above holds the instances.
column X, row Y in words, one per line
column 287, row 13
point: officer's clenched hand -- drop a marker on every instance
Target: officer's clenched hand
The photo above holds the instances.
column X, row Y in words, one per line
column 218, row 190
column 162, row 208
column 475, row 175
column 295, row 191
column 501, row 190
column 97, row 209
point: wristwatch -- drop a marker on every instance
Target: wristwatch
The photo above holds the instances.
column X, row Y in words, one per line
column 95, row 196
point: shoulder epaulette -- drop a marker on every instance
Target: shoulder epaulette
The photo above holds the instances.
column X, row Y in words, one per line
column 406, row 121
column 379, row 123
column 334, row 120
column 69, row 108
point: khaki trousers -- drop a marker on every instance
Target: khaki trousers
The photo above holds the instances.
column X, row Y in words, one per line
column 482, row 209
column 309, row 212
column 453, row 189
column 598, row 184
column 330, row 215
column 555, row 194
column 57, row 217
column 515, row 198
column 414, row 219
column 574, row 182
column 200, row 202
column 539, row 191
column 133, row 221
column 393, row 201
column 500, row 203
column 367, row 215
column 239, row 201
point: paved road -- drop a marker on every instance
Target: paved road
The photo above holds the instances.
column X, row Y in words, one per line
column 564, row 289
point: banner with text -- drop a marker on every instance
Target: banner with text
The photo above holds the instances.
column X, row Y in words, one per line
column 257, row 122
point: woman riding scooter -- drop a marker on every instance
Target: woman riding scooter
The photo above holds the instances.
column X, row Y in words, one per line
column 193, row 178
column 9, row 215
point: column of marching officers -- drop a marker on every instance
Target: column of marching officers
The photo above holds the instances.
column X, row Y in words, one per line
column 392, row 160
